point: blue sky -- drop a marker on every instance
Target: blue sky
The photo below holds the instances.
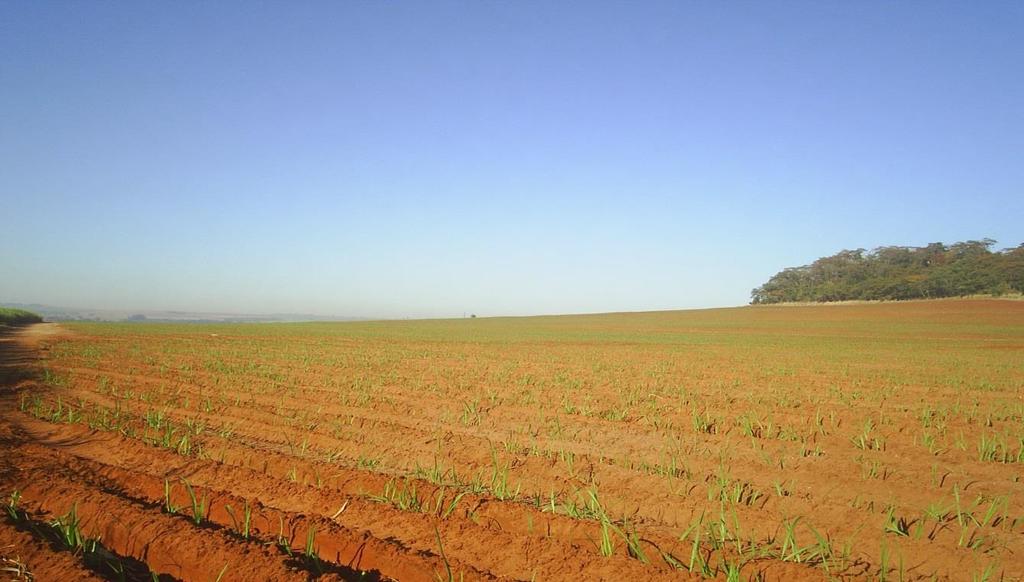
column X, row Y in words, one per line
column 397, row 159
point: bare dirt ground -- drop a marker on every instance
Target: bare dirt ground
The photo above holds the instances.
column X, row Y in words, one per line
column 847, row 442
column 117, row 486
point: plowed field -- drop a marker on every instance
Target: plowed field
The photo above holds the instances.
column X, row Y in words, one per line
column 776, row 443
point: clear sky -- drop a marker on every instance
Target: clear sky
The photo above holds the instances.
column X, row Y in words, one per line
column 415, row 159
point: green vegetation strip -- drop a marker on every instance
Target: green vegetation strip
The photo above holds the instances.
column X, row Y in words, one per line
column 9, row 316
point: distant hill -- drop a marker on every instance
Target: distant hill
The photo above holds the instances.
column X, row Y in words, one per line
column 893, row 273
column 54, row 313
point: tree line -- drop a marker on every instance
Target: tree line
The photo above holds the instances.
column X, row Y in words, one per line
column 10, row 316
column 895, row 272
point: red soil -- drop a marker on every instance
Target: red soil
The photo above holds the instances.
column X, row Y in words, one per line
column 309, row 432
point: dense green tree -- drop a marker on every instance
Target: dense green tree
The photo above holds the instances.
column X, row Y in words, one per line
column 895, row 272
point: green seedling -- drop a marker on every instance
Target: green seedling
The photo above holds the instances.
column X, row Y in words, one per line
column 169, row 506
column 11, row 507
column 199, row 504
column 243, row 526
column 70, row 534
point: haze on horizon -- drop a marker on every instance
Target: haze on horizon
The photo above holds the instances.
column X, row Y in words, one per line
column 432, row 159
